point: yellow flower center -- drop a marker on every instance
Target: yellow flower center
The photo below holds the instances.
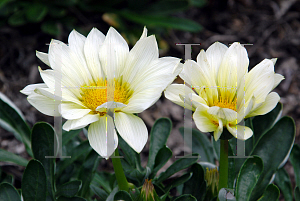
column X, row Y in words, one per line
column 98, row 93
column 224, row 103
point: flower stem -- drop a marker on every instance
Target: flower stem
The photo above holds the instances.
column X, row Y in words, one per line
column 223, row 170
column 119, row 172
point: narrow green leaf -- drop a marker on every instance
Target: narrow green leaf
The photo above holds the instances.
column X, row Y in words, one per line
column 248, row 177
column 122, row 195
column 297, row 193
column 271, row 193
column 201, row 145
column 34, row 182
column 11, row 157
column 42, row 143
column 69, row 135
column 12, row 120
column 261, row 124
column 294, row 158
column 166, row 7
column 283, row 181
column 69, row 189
column 9, row 193
column 87, row 172
column 35, row 12
column 273, row 148
column 17, row 19
column 105, row 180
column 178, row 181
column 196, row 185
column 75, row 198
column 163, row 21
column 99, row 192
column 51, row 28
column 178, row 165
column 162, row 157
column 158, row 138
column 7, row 178
column 186, row 198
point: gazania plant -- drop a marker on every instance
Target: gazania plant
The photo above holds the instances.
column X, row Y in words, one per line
column 99, row 87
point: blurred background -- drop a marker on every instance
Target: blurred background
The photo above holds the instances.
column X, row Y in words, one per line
column 273, row 27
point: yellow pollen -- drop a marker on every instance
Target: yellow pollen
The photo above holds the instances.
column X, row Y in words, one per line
column 223, row 103
column 95, row 94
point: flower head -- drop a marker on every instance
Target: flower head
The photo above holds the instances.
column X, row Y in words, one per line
column 223, row 92
column 96, row 75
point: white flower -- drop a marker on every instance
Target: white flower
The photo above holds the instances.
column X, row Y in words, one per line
column 224, row 92
column 99, row 73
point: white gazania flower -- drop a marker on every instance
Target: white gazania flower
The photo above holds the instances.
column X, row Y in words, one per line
column 99, row 73
column 223, row 91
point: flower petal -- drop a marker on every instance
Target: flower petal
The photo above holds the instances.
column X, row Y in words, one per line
column 203, row 121
column 240, row 132
column 44, row 104
column 92, row 46
column 113, row 54
column 73, row 111
column 269, row 104
column 97, row 135
column 277, row 79
column 43, row 57
column 30, row 88
column 225, row 114
column 110, row 105
column 139, row 58
column 132, row 129
column 80, row 123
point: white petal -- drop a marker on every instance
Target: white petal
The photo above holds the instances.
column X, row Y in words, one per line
column 97, row 135
column 113, row 54
column 139, row 58
column 132, row 129
column 30, row 88
column 43, row 57
column 240, row 132
column 110, row 105
column 268, row 105
column 73, row 111
column 44, row 104
column 92, row 46
column 173, row 91
column 144, row 34
column 80, row 123
column 219, row 131
column 215, row 54
column 225, row 114
column 277, row 79
column 204, row 121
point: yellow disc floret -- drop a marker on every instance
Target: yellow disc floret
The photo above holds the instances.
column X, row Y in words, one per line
column 97, row 93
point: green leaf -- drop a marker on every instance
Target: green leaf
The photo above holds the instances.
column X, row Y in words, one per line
column 273, row 148
column 297, row 193
column 105, row 180
column 99, row 192
column 186, row 198
column 158, row 138
column 248, row 177
column 17, row 19
column 163, row 21
column 69, row 135
column 166, row 7
column 51, row 28
column 42, row 143
column 69, row 189
column 35, row 12
column 283, row 181
column 11, row 157
column 77, row 152
column 261, row 124
column 9, row 193
column 87, row 172
column 198, row 3
column 4, row 177
column 131, row 156
column 294, row 158
column 196, row 185
column 216, row 146
column 162, row 157
column 271, row 193
column 75, row 198
column 201, row 145
column 122, row 195
column 178, row 181
column 12, row 120
column 178, row 165
column 226, row 194
column 34, row 182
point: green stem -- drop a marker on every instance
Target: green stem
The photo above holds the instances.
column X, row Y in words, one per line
column 223, row 169
column 119, row 172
